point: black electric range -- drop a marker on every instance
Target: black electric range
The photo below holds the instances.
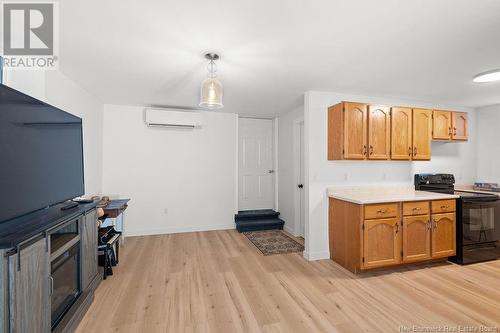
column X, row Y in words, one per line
column 478, row 219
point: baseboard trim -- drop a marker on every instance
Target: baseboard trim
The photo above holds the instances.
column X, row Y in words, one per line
column 312, row 256
column 289, row 230
column 176, row 230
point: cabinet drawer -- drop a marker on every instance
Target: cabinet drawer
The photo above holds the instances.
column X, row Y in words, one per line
column 381, row 211
column 443, row 206
column 416, row 208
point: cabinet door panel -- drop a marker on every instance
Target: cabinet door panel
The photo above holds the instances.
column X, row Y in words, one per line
column 379, row 132
column 401, row 133
column 422, row 134
column 441, row 125
column 29, row 287
column 443, row 235
column 416, row 238
column 355, row 128
column 89, row 249
column 459, row 126
column 381, row 243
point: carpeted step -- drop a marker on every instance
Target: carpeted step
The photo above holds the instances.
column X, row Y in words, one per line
column 256, row 214
column 261, row 224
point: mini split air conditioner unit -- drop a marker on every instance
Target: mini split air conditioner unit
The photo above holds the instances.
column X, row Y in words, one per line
column 173, row 118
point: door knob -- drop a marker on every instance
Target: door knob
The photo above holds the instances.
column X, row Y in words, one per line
column 300, row 186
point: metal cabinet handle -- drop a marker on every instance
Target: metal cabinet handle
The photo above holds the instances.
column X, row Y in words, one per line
column 434, row 223
column 397, row 227
column 449, row 130
column 417, row 208
column 445, row 207
column 271, row 171
column 364, row 150
column 414, row 151
column 409, row 151
column 382, row 211
column 51, row 279
column 371, row 150
column 429, row 225
column 454, row 131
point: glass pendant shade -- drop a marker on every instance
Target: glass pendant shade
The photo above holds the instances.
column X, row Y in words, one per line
column 211, row 88
column 211, row 94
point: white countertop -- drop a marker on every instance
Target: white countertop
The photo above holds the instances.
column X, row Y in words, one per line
column 383, row 194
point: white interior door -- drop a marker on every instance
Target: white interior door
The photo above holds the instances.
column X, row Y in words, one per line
column 301, row 182
column 256, row 160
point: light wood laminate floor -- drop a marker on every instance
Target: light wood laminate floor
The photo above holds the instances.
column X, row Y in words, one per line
column 218, row 282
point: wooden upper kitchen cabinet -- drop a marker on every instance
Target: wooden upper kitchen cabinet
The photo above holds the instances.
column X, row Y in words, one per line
column 422, row 134
column 379, row 132
column 359, row 131
column 401, row 133
column 459, row 124
column 347, row 131
column 441, row 128
column 450, row 125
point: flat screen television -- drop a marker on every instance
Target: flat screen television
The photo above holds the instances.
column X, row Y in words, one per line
column 41, row 155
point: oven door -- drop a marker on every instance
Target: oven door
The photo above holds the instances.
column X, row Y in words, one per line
column 480, row 221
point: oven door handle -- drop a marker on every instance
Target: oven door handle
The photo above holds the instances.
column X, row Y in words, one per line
column 479, row 248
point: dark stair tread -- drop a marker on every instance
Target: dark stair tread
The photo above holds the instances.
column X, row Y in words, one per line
column 256, row 214
column 262, row 224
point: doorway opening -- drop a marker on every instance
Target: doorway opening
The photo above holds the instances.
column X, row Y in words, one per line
column 299, row 172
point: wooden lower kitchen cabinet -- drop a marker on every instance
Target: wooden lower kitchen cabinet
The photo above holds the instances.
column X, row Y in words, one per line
column 381, row 243
column 363, row 237
column 443, row 235
column 416, row 238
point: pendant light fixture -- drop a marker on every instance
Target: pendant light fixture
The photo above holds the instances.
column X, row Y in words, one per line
column 211, row 88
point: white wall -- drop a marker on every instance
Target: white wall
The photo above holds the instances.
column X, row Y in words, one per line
column 488, row 141
column 55, row 88
column 457, row 158
column 178, row 180
column 287, row 174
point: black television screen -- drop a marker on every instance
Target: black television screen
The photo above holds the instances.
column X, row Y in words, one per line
column 41, row 155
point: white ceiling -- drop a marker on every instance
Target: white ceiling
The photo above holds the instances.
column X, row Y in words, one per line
column 150, row 52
